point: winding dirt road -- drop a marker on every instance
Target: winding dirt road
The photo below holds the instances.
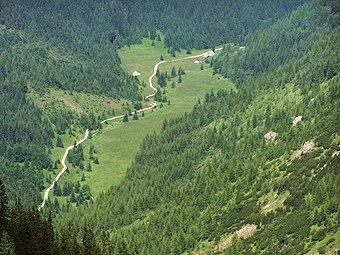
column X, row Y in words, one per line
column 153, row 105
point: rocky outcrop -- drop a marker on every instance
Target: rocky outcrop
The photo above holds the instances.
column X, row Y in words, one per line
column 307, row 147
column 270, row 136
column 297, row 120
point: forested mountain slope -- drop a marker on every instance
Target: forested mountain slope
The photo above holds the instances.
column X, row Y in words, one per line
column 71, row 46
column 211, row 172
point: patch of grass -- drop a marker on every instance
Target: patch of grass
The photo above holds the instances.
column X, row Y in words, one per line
column 117, row 143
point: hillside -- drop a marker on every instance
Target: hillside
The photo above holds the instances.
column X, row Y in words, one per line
column 211, row 172
column 251, row 168
column 59, row 59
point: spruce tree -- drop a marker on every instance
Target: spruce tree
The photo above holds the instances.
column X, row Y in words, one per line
column 126, row 118
column 59, row 142
column 173, row 72
column 4, row 210
column 88, row 168
column 90, row 246
column 135, row 116
column 6, row 245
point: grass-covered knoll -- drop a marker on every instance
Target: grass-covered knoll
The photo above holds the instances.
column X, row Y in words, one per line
column 211, row 172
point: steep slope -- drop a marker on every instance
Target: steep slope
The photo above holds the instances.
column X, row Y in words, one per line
column 211, row 172
column 71, row 46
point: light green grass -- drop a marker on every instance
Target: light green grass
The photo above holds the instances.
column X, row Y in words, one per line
column 118, row 143
column 142, row 58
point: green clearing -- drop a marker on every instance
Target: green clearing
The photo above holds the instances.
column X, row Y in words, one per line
column 117, row 143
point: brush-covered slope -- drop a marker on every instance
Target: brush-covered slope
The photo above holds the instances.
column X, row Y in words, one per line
column 211, row 172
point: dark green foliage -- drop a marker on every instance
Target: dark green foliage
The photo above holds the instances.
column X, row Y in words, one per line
column 4, row 209
column 59, row 142
column 272, row 47
column 135, row 116
column 205, row 173
column 6, row 244
column 126, row 118
column 25, row 136
column 158, row 96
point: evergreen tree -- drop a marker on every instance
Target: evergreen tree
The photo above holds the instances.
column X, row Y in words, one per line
column 89, row 167
column 159, row 37
column 59, row 142
column 6, row 245
column 158, row 96
column 180, row 78
column 4, row 210
column 77, row 187
column 73, row 197
column 126, row 118
column 161, row 58
column 135, row 116
column 173, row 52
column 96, row 160
column 107, row 248
column 173, row 72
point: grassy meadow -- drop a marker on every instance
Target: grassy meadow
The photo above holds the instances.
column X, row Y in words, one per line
column 117, row 143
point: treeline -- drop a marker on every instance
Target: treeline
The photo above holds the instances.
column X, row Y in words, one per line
column 210, row 172
column 267, row 49
column 25, row 137
column 203, row 24
column 27, row 232
column 84, row 25
column 42, row 63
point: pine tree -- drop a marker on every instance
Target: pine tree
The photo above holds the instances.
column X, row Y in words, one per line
column 173, row 72
column 6, row 245
column 173, row 52
column 57, row 190
column 202, row 68
column 4, row 210
column 96, row 160
column 77, row 187
column 135, row 116
column 59, row 142
column 73, row 197
column 159, row 38
column 126, row 118
column 152, row 43
column 88, row 168
column 89, row 243
column 180, row 78
column 161, row 58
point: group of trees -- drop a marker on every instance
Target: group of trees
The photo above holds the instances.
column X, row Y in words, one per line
column 71, row 45
column 205, row 174
column 27, row 232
